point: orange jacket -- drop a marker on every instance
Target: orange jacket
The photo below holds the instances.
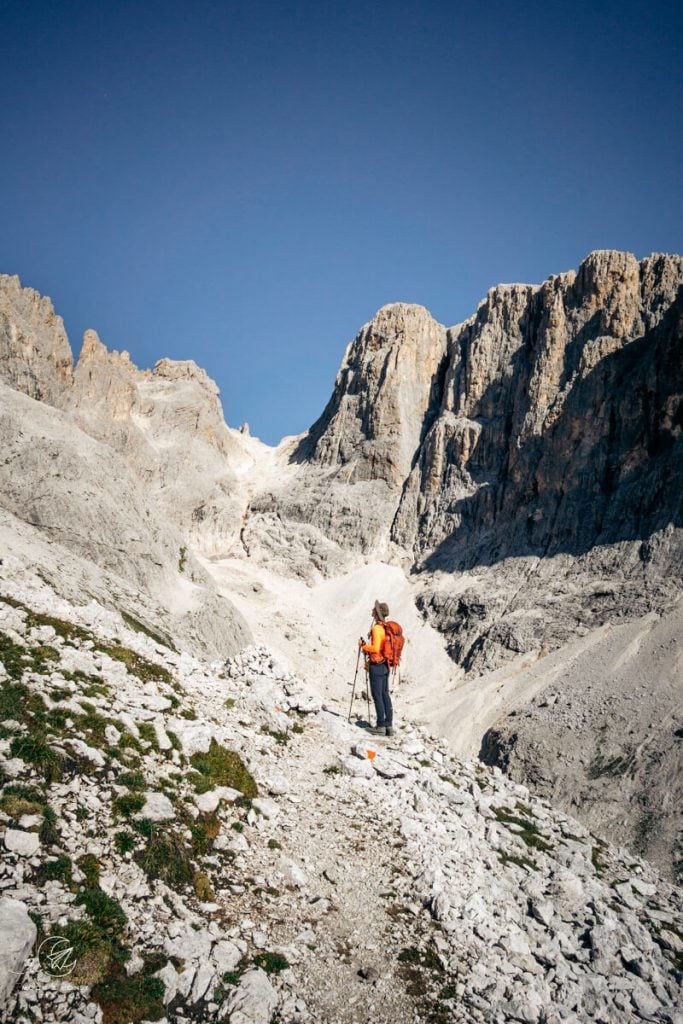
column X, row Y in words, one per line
column 376, row 641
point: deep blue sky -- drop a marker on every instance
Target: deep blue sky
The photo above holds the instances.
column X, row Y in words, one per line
column 245, row 183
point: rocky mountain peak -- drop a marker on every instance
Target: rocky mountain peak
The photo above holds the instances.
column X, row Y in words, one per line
column 185, row 370
column 93, row 349
column 35, row 356
column 385, row 393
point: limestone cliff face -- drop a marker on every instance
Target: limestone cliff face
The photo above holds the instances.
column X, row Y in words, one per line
column 132, row 471
column 35, row 356
column 550, row 487
column 80, row 498
column 168, row 424
column 559, row 426
column 386, row 394
column 337, row 500
column 544, row 433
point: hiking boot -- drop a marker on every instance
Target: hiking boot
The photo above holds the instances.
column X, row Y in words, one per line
column 389, row 731
column 378, row 730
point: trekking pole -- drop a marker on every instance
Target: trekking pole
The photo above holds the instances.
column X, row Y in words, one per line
column 367, row 690
column 353, row 690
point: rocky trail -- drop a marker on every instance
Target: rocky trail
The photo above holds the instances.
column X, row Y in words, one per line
column 213, row 842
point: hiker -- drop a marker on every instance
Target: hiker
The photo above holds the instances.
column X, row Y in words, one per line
column 378, row 671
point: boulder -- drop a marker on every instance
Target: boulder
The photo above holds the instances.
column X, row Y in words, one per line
column 17, row 935
column 157, row 807
column 254, row 1001
column 25, row 844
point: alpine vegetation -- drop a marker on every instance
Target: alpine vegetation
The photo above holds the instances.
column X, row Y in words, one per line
column 195, row 868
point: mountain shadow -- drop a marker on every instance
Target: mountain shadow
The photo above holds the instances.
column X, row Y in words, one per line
column 608, row 469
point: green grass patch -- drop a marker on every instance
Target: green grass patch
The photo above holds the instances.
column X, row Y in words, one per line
column 89, row 685
column 128, row 804
column 20, row 703
column 282, row 738
column 204, row 830
column 423, row 975
column 521, row 862
column 90, row 867
column 222, row 767
column 95, row 952
column 56, row 719
column 231, row 977
column 175, row 742
column 148, row 734
column 126, row 1000
column 48, row 832
column 96, row 939
column 58, row 869
column 131, row 780
column 228, row 980
column 66, row 630
column 16, row 806
column 43, row 658
column 105, row 911
column 271, row 963
column 140, row 627
column 129, row 742
column 529, row 834
column 145, row 670
column 92, row 724
column 144, row 827
column 426, row 958
column 25, row 792
column 37, row 751
column 125, row 842
column 274, row 845
column 12, row 656
column 167, row 857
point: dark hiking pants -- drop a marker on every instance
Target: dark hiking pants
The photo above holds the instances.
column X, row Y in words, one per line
column 379, row 688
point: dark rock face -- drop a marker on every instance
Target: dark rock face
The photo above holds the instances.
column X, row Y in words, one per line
column 569, row 450
column 560, row 424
